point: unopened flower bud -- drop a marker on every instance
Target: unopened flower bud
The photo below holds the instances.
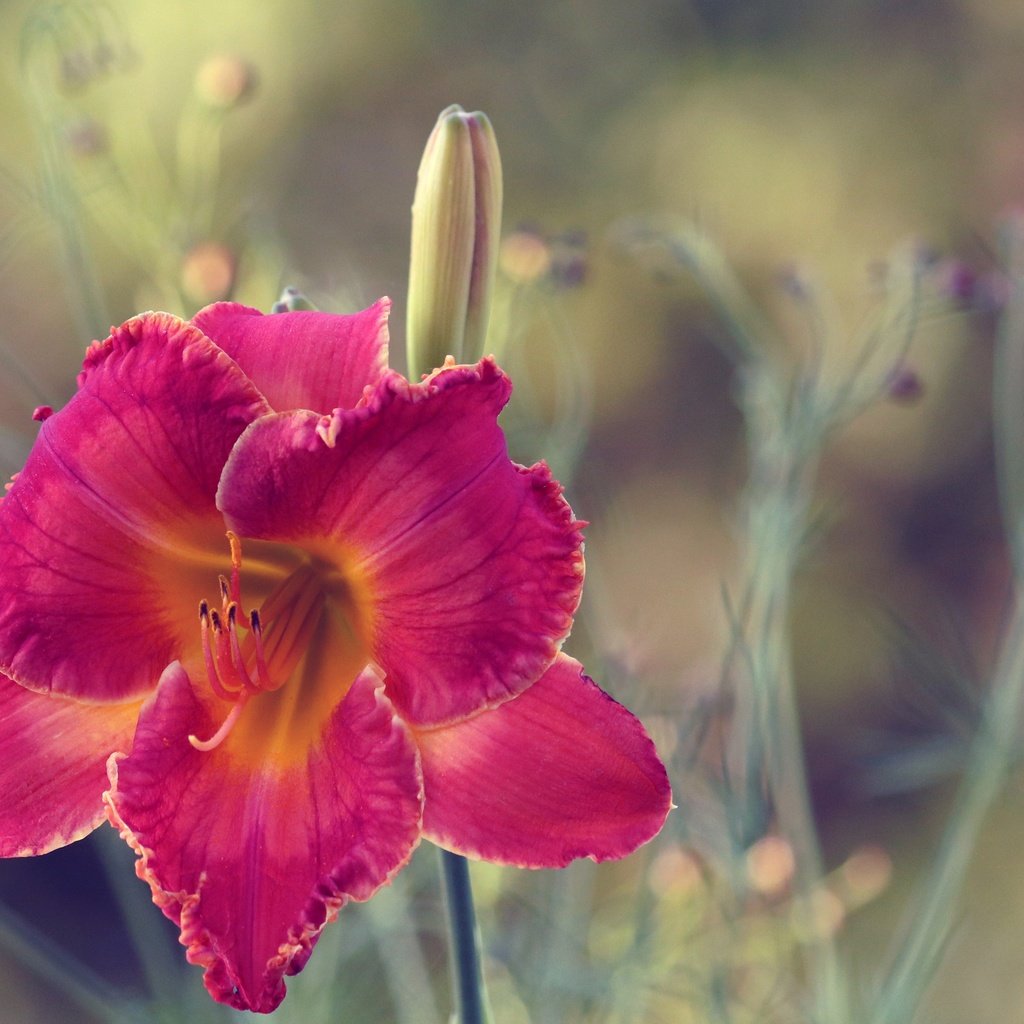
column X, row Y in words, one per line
column 291, row 300
column 208, row 272
column 904, row 384
column 958, row 281
column 525, row 256
column 225, row 81
column 456, row 225
column 86, row 138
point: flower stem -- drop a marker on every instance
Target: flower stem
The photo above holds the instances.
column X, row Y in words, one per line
column 467, row 977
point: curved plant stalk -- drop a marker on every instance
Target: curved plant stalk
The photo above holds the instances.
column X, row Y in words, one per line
column 790, row 411
column 919, row 948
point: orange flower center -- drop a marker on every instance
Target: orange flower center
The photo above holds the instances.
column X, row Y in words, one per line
column 290, row 661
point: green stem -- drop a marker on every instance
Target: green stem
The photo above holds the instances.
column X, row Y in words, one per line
column 920, row 947
column 467, row 977
column 767, row 715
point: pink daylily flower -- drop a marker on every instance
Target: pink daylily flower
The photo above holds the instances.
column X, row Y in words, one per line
column 277, row 613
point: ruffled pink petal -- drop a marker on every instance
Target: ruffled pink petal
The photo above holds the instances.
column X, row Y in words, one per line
column 303, row 360
column 116, row 497
column 253, row 859
column 53, row 755
column 562, row 771
column 467, row 567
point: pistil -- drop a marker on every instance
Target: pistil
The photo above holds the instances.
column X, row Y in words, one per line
column 226, row 726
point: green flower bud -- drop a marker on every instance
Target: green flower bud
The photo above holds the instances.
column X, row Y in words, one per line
column 291, row 300
column 456, row 225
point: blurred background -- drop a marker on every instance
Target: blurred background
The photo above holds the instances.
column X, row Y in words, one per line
column 168, row 155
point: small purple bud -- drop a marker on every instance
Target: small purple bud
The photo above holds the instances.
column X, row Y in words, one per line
column 86, row 137
column 904, row 384
column 569, row 259
column 958, row 281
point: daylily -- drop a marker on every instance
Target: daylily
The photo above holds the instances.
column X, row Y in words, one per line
column 277, row 613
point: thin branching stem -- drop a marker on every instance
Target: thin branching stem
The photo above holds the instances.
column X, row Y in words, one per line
column 51, row 31
column 767, row 721
column 790, row 411
column 920, row 945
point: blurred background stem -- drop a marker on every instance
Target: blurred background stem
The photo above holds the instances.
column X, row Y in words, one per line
column 766, row 736
column 48, row 31
column 157, row 955
column 786, row 426
column 64, row 973
column 919, row 947
column 401, row 957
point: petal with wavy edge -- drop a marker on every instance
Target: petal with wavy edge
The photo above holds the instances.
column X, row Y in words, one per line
column 116, row 498
column 562, row 771
column 53, row 757
column 467, row 567
column 303, row 360
column 253, row 861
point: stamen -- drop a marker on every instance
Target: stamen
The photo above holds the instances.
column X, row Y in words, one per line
column 222, row 733
column 237, row 661
column 238, row 671
column 211, row 665
column 225, row 664
column 262, row 672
